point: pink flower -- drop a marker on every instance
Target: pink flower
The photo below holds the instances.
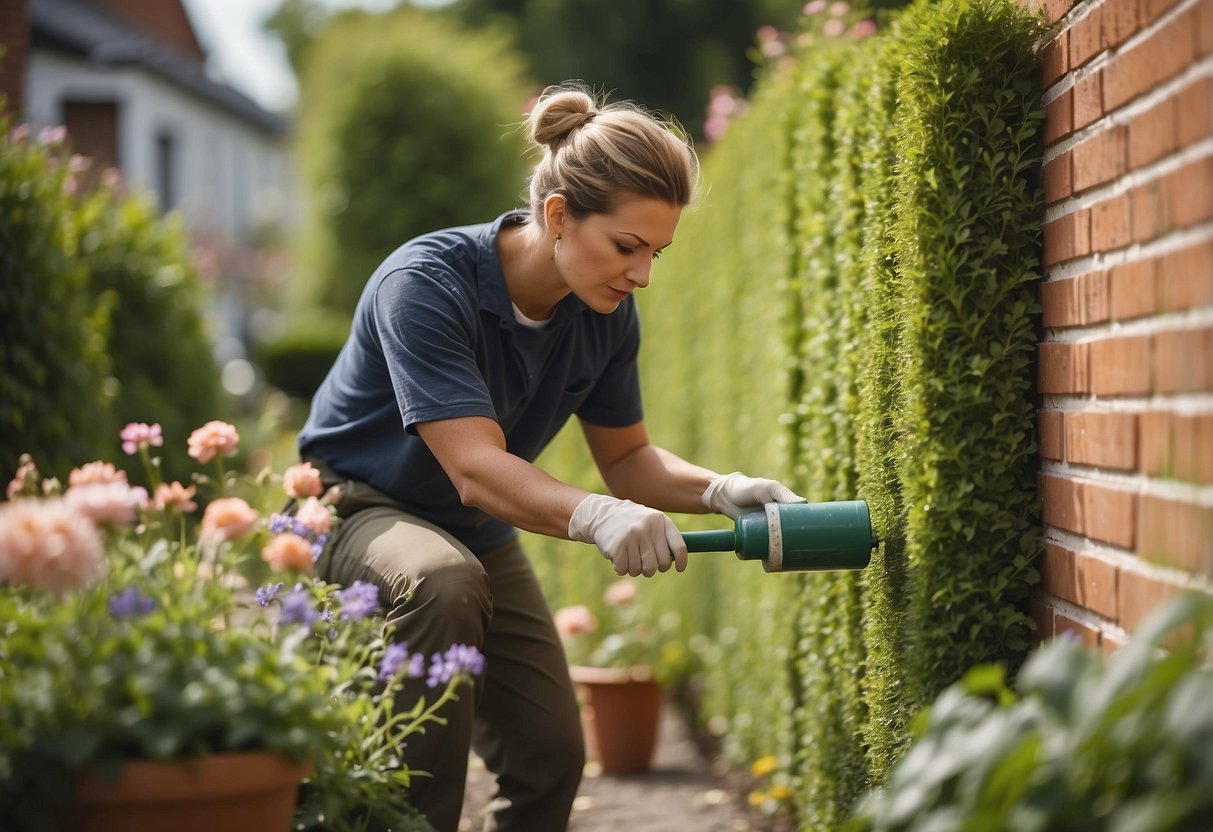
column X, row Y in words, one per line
column 620, row 592
column 227, row 519
column 574, row 621
column 316, row 516
column 815, row 7
column 301, row 481
column 175, row 497
column 25, row 480
column 288, row 551
column 47, row 544
column 767, row 33
column 139, row 435
column 833, row 28
column 113, row 502
column 213, row 438
column 839, row 9
column 865, row 28
column 96, row 473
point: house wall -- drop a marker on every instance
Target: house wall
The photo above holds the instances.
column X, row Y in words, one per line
column 1126, row 358
column 229, row 176
column 14, row 42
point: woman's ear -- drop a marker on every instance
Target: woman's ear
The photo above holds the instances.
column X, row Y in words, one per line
column 555, row 214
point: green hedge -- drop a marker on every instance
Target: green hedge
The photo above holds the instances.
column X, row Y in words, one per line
column 852, row 308
column 401, row 132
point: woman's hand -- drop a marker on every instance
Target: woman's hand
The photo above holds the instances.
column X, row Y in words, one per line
column 731, row 494
column 636, row 539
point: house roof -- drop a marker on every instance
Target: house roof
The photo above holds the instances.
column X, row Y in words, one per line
column 103, row 39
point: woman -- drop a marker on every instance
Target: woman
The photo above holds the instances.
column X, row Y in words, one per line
column 470, row 348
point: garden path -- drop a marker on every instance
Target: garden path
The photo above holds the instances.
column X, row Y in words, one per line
column 682, row 793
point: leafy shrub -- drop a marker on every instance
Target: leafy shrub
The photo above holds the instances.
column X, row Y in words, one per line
column 297, row 361
column 53, row 402
column 1085, row 745
column 401, row 133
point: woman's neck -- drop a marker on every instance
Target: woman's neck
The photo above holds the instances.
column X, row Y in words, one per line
column 531, row 278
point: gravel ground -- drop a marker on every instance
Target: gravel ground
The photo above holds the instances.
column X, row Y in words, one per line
column 682, row 793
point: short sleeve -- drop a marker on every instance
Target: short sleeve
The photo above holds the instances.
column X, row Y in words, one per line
column 615, row 400
column 428, row 330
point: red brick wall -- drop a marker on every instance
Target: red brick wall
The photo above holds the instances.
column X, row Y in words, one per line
column 1126, row 361
column 14, row 43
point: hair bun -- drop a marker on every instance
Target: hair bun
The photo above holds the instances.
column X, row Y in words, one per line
column 560, row 111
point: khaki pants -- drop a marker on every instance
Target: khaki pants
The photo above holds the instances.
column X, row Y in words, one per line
column 521, row 718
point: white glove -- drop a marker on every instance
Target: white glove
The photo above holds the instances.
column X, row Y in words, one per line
column 636, row 539
column 733, row 493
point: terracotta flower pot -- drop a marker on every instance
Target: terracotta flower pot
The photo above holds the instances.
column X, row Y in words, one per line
column 248, row 791
column 620, row 715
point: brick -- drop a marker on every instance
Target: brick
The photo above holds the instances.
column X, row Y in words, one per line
column 1133, row 289
column 1204, row 28
column 1105, row 440
column 1067, row 237
column 1051, row 435
column 1150, row 211
column 1194, row 110
column 1088, row 100
column 1109, row 514
column 1183, row 361
column 1061, row 502
column 1169, row 51
column 1154, row 442
column 1176, row 534
column 1186, row 278
column 1079, row 301
column 1151, row 10
column 1042, row 615
column 1100, row 585
column 1111, row 224
column 1059, row 573
column 1058, row 179
column 1063, row 368
column 1120, row 20
column 1086, row 37
column 1152, row 134
column 1188, row 195
column 1085, row 633
column 1055, row 59
column 1140, row 595
column 1192, row 448
column 1100, row 159
column 1055, row 10
column 1120, row 366
column 1110, row 642
column 1059, row 117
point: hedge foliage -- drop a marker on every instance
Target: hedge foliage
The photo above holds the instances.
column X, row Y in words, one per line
column 102, row 316
column 401, row 132
column 852, row 308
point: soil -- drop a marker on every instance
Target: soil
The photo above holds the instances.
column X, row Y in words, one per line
column 684, row 792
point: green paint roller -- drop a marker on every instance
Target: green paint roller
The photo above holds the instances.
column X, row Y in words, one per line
column 796, row 537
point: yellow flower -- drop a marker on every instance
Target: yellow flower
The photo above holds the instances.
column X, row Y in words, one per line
column 756, row 798
column 763, row 766
column 780, row 792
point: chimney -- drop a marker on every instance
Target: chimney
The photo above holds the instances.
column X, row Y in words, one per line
column 14, row 43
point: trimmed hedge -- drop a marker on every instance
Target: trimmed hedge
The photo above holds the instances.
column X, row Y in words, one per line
column 852, row 308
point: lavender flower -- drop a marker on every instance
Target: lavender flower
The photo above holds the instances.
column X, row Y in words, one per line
column 396, row 658
column 358, row 601
column 459, row 659
column 268, row 593
column 130, row 602
column 297, row 608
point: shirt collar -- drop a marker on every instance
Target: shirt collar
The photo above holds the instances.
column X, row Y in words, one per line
column 490, row 279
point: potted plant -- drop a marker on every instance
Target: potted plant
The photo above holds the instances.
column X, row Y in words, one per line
column 618, row 659
column 145, row 678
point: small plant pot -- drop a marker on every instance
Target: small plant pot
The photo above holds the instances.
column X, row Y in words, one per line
column 249, row 791
column 620, row 715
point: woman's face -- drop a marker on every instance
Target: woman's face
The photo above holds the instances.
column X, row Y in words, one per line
column 603, row 258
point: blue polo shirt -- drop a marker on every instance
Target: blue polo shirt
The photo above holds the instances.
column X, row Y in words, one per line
column 434, row 337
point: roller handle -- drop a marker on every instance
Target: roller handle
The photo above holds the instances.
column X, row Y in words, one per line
column 716, row 540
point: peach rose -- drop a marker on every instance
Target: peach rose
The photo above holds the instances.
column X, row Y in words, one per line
column 175, row 497
column 573, row 621
column 114, row 502
column 48, row 544
column 288, row 551
column 227, row 519
column 211, row 439
column 620, row 592
column 301, row 481
column 316, row 516
column 96, row 473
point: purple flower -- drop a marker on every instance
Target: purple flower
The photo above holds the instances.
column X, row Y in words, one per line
column 130, row 602
column 458, row 660
column 268, row 593
column 396, row 658
column 358, row 601
column 297, row 608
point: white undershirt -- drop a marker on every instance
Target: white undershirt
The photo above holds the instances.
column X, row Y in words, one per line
column 525, row 321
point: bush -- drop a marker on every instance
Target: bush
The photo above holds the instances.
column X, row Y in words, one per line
column 53, row 402
column 297, row 361
column 401, row 133
column 1116, row 747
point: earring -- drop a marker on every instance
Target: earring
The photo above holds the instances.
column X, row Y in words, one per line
column 556, row 248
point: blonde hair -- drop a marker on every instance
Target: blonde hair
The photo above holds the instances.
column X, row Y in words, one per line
column 595, row 154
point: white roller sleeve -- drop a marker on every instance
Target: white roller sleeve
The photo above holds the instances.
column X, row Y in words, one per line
column 774, row 538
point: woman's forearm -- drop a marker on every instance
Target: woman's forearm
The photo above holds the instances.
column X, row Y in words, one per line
column 659, row 479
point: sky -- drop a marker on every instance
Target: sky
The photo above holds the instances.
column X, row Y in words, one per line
column 242, row 55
